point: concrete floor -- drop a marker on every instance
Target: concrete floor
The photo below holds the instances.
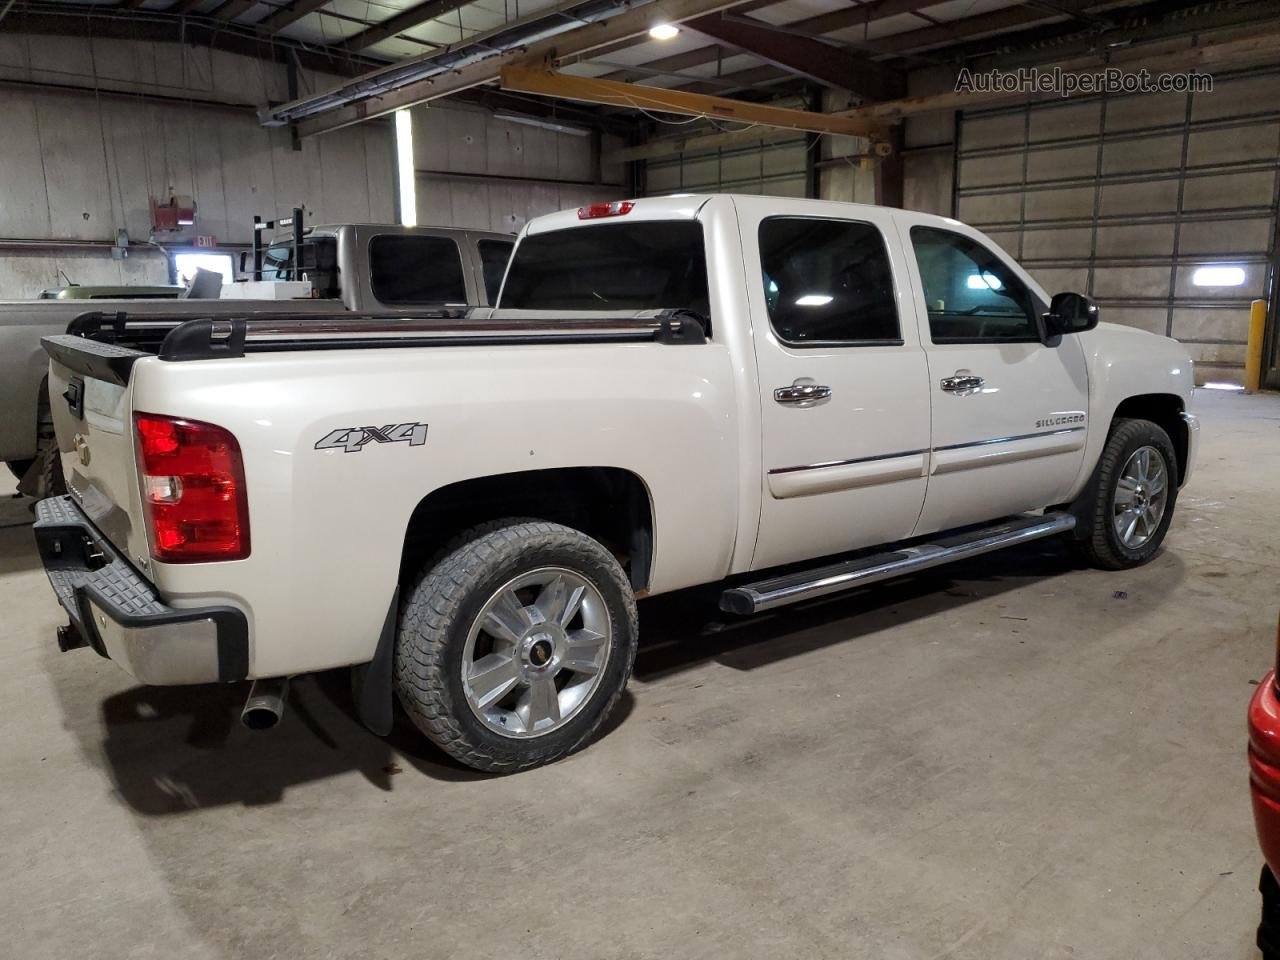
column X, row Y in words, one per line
column 1009, row 759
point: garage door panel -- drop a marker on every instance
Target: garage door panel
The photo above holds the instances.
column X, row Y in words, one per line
column 1126, row 282
column 998, row 130
column 1146, row 110
column 1151, row 319
column 1062, row 163
column 1232, row 98
column 987, row 171
column 1211, row 323
column 1254, row 286
column 1233, row 144
column 1062, row 279
column 1006, row 240
column 1155, row 196
column 1074, row 203
column 1217, row 353
column 1059, row 123
column 1224, row 236
column 661, row 179
column 1142, row 153
column 1228, row 190
column 786, row 159
column 1057, row 243
column 743, row 166
column 991, row 208
column 1142, row 240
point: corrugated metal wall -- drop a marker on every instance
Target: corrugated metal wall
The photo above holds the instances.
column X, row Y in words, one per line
column 76, row 165
column 1126, row 197
column 477, row 170
column 773, row 168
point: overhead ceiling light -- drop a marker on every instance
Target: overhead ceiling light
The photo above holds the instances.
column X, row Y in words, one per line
column 664, row 31
column 814, row 300
column 1218, row 277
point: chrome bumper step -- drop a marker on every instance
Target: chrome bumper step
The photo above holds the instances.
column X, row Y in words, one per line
column 848, row 574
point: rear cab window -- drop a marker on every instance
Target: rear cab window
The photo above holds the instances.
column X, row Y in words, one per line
column 643, row 265
column 406, row 270
column 828, row 282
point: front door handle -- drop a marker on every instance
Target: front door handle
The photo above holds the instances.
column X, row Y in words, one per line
column 962, row 383
column 802, row 393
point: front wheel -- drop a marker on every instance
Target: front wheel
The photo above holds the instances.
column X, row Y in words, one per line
column 513, row 648
column 1125, row 511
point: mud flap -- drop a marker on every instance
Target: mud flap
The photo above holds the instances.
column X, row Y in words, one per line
column 371, row 682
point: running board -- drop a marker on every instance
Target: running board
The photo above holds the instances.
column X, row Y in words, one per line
column 822, row 581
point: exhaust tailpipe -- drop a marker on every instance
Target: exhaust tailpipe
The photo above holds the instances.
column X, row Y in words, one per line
column 265, row 705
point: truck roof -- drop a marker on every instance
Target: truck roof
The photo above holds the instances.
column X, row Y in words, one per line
column 685, row 206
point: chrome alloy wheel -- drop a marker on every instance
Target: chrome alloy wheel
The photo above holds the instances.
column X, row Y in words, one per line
column 536, row 652
column 1142, row 493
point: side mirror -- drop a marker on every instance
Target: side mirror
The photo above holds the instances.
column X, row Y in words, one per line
column 1070, row 313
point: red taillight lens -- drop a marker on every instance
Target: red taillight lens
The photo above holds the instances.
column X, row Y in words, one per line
column 192, row 490
column 617, row 208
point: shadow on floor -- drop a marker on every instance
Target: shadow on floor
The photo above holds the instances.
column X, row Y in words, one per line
column 175, row 749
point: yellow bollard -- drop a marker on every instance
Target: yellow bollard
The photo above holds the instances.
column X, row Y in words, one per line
column 1253, row 352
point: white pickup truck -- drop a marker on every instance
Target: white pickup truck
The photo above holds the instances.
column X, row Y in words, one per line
column 792, row 397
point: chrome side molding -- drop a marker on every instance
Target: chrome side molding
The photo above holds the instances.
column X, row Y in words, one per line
column 846, row 575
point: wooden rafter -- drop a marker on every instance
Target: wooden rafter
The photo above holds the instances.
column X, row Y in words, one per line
column 544, row 82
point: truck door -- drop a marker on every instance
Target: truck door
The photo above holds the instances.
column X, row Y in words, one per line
column 1009, row 412
column 843, row 380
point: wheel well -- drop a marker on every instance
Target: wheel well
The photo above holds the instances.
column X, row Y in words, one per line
column 607, row 503
column 1164, row 409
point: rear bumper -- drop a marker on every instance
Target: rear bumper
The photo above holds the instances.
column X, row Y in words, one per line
column 1264, row 767
column 118, row 613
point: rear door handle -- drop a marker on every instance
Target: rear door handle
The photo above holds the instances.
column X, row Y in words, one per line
column 962, row 384
column 802, row 393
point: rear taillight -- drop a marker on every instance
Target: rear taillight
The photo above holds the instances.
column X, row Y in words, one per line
column 192, row 490
column 616, row 208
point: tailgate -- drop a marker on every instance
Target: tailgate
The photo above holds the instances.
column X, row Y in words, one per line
column 90, row 400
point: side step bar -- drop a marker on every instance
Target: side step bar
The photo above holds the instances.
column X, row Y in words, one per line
column 837, row 577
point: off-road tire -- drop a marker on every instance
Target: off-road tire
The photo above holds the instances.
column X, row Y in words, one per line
column 437, row 613
column 1096, row 538
column 48, row 480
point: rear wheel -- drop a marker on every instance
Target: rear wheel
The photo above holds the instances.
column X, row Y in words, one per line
column 1126, row 510
column 514, row 647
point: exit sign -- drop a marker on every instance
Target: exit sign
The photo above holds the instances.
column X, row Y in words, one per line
column 205, row 240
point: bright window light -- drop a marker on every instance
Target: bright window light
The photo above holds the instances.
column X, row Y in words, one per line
column 186, row 264
column 814, row 300
column 1218, row 276
column 664, row 31
column 405, row 170
column 983, row 281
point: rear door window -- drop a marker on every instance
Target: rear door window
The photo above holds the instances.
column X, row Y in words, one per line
column 646, row 265
column 494, row 255
column 828, row 282
column 405, row 269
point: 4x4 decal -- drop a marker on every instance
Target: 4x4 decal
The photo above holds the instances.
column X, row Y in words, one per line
column 353, row 439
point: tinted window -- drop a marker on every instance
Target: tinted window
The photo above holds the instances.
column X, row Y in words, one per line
column 827, row 281
column 617, row 266
column 319, row 256
column 494, row 255
column 969, row 293
column 406, row 269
